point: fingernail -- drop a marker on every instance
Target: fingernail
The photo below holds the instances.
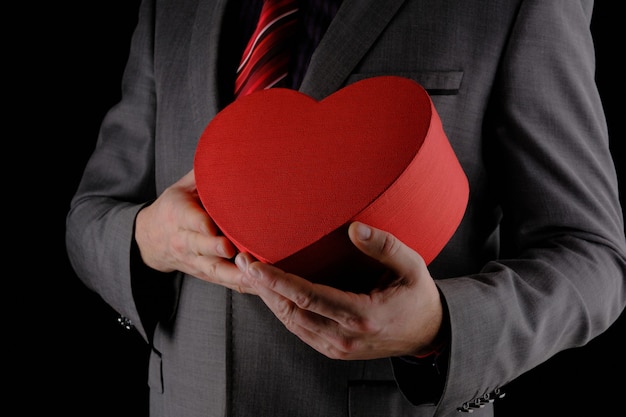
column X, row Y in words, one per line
column 363, row 232
column 242, row 262
column 221, row 251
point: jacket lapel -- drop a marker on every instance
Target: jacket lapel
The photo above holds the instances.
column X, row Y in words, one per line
column 354, row 29
column 352, row 32
column 203, row 59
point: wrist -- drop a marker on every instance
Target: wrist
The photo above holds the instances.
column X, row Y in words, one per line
column 442, row 338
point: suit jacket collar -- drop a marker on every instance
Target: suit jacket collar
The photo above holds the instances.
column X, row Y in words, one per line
column 356, row 26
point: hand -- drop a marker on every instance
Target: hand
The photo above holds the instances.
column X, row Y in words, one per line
column 175, row 233
column 403, row 318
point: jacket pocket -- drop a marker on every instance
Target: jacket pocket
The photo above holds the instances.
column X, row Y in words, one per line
column 434, row 82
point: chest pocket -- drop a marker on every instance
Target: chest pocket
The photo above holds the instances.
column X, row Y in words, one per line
column 436, row 83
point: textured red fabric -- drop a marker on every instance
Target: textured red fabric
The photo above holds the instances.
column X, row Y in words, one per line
column 282, row 174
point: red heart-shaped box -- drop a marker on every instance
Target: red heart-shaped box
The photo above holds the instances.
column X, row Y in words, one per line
column 282, row 175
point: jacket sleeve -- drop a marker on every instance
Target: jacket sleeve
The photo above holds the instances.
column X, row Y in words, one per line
column 117, row 181
column 559, row 278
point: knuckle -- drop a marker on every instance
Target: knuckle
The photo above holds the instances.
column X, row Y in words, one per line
column 178, row 245
column 304, row 300
column 284, row 311
column 271, row 280
column 211, row 270
column 334, row 352
column 390, row 246
column 346, row 346
column 358, row 324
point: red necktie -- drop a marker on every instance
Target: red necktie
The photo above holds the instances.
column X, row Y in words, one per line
column 265, row 60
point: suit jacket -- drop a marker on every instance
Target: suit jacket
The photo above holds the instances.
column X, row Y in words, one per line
column 536, row 266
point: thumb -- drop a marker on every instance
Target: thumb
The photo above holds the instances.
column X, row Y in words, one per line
column 385, row 248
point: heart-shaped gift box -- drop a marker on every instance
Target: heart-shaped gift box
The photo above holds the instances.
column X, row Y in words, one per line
column 283, row 175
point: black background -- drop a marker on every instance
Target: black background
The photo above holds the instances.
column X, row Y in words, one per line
column 67, row 354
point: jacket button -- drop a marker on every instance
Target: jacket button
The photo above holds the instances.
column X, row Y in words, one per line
column 465, row 408
column 499, row 393
column 485, row 399
column 125, row 322
column 477, row 403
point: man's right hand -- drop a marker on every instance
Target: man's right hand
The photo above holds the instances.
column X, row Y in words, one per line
column 176, row 233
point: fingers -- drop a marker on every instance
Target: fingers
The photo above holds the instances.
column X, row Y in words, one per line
column 195, row 217
column 385, row 248
column 278, row 285
column 320, row 315
column 335, row 323
column 204, row 237
column 222, row 272
column 193, row 243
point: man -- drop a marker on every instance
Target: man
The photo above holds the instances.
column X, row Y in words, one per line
column 536, row 266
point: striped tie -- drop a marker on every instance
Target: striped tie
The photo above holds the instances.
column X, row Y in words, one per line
column 265, row 60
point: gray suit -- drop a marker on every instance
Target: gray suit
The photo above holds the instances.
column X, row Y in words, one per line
column 537, row 265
